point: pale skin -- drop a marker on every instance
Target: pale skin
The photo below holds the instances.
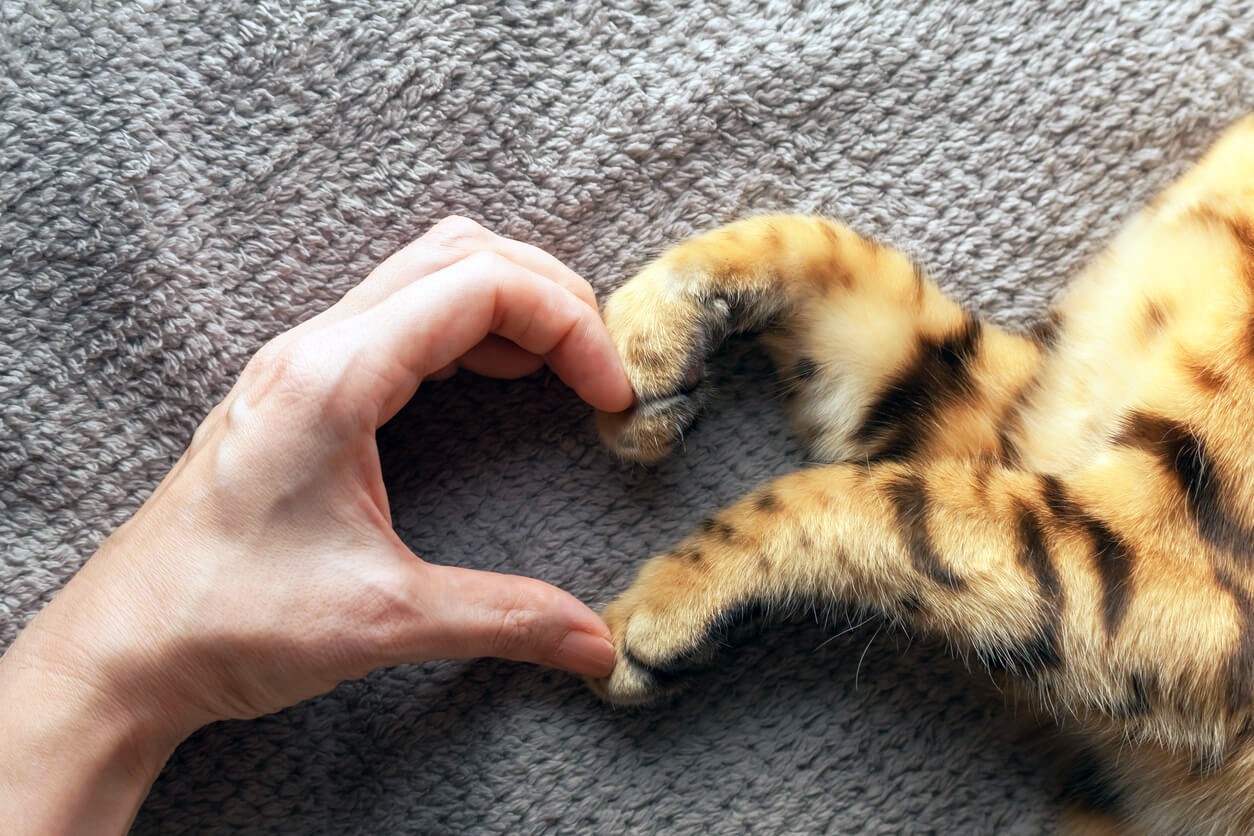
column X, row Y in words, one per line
column 264, row 569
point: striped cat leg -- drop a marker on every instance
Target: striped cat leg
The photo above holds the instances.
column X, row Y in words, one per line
column 883, row 538
column 875, row 354
column 1066, row 582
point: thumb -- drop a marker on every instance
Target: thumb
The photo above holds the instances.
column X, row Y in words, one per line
column 469, row 613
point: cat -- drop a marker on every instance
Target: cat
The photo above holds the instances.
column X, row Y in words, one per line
column 1073, row 506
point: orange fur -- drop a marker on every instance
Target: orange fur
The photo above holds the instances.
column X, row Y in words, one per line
column 1075, row 507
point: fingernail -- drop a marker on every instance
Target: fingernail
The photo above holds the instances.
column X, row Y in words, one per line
column 585, row 654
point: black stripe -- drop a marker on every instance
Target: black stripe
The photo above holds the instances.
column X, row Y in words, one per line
column 1241, row 665
column 1111, row 555
column 910, row 500
column 1042, row 651
column 1059, row 502
column 1034, row 555
column 903, row 415
column 1182, row 453
column 1114, row 565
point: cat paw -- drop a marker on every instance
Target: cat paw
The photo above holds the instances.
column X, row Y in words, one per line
column 650, row 430
column 660, row 637
column 663, row 332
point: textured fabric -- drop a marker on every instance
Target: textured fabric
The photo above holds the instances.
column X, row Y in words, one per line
column 181, row 181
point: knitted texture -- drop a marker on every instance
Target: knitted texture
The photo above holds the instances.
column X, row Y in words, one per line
column 182, row 181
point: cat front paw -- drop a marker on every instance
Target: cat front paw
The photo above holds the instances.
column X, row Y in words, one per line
column 650, row 430
column 645, row 674
column 660, row 633
column 663, row 332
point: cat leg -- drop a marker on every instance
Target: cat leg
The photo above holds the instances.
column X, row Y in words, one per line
column 874, row 355
column 1066, row 581
column 878, row 538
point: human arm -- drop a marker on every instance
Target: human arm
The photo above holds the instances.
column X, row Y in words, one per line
column 264, row 570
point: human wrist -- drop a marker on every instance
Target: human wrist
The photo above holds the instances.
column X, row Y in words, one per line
column 77, row 758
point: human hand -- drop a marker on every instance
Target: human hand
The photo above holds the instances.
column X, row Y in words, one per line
column 264, row 569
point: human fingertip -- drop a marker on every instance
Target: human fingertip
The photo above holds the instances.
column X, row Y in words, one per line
column 620, row 397
column 626, row 397
column 585, row 654
column 600, row 381
column 615, row 392
column 613, row 399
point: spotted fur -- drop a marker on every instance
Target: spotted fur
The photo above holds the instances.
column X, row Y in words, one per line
column 1073, row 506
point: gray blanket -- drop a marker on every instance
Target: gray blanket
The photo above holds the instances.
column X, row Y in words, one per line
column 181, row 181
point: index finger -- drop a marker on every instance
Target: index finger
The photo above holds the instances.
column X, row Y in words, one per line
column 449, row 241
column 431, row 323
column 446, row 243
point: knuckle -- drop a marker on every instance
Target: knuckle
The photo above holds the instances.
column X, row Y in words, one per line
column 458, row 229
column 451, row 240
column 267, row 356
column 287, row 367
column 275, row 360
column 520, row 630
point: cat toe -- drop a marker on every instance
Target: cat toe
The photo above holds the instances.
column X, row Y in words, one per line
column 630, row 683
column 660, row 641
column 637, row 682
column 649, row 431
